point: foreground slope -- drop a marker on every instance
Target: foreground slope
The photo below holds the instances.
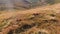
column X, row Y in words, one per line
column 33, row 21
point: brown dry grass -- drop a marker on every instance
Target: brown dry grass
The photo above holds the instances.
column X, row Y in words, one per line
column 13, row 15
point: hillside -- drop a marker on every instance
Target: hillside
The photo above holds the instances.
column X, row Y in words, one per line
column 39, row 20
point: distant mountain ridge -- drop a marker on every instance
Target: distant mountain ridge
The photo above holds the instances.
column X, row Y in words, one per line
column 25, row 4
